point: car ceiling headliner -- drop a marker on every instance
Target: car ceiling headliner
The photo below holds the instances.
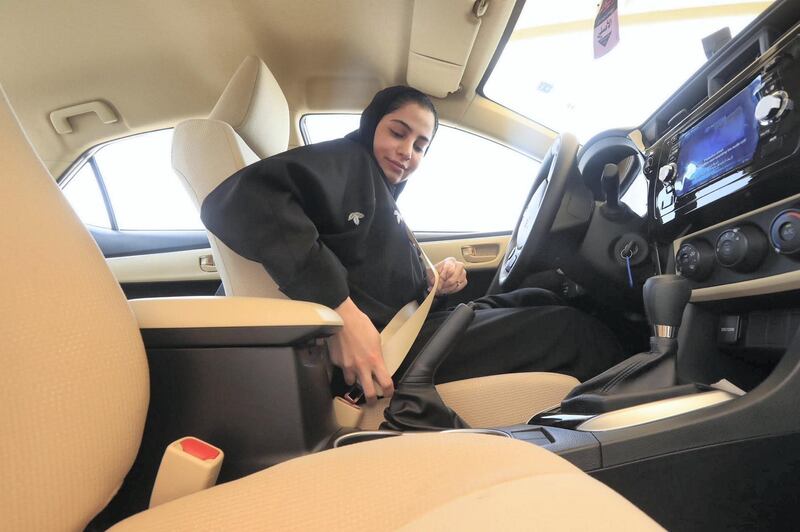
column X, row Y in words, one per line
column 160, row 62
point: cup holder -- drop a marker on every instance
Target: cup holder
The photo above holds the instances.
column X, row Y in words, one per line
column 370, row 435
column 364, row 435
column 491, row 432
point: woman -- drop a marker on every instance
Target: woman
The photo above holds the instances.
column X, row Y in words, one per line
column 322, row 219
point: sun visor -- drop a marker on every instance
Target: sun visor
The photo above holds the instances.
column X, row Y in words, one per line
column 442, row 35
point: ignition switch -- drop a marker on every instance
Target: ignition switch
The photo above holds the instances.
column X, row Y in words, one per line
column 633, row 246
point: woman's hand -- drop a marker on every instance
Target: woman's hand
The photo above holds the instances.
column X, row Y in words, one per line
column 357, row 350
column 452, row 276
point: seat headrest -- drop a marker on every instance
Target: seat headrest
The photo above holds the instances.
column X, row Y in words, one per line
column 254, row 105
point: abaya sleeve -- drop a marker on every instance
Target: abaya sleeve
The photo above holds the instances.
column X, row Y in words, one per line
column 264, row 213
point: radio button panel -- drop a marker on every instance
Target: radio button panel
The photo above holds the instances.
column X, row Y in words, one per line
column 732, row 143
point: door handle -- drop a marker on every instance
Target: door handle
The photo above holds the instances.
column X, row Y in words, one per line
column 207, row 263
column 480, row 252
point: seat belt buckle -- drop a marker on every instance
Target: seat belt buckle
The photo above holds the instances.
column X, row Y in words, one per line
column 354, row 394
column 188, row 466
column 346, row 410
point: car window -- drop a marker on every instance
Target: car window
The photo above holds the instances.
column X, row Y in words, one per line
column 84, row 194
column 143, row 191
column 636, row 195
column 466, row 183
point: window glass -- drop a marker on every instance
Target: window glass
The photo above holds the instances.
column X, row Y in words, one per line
column 144, row 191
column 319, row 128
column 636, row 195
column 83, row 193
column 548, row 72
column 465, row 183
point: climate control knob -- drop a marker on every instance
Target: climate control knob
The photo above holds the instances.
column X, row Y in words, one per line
column 742, row 248
column 784, row 233
column 695, row 260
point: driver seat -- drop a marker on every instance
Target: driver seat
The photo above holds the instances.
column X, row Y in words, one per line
column 249, row 122
column 74, row 393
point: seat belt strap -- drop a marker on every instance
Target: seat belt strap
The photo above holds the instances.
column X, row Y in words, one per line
column 401, row 332
column 396, row 339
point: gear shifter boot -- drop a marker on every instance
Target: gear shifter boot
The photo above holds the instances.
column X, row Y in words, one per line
column 416, row 405
column 647, row 376
column 630, row 382
column 419, row 407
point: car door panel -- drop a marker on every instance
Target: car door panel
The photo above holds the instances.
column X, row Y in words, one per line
column 126, row 243
column 481, row 255
column 476, row 252
column 159, row 263
column 172, row 266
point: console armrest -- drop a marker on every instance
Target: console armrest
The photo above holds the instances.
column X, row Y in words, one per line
column 231, row 321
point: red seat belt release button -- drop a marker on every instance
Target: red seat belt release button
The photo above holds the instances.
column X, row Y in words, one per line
column 199, row 448
column 188, row 466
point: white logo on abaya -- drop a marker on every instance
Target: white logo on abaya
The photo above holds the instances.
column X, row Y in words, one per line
column 398, row 216
column 355, row 217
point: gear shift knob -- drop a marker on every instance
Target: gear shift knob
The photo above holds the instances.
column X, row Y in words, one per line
column 665, row 298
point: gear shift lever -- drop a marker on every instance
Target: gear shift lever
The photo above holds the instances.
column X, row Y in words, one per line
column 665, row 297
column 647, row 376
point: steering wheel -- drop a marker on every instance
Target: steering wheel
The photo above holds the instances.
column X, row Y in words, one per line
column 533, row 230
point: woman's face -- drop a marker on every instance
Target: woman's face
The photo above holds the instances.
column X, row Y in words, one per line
column 401, row 139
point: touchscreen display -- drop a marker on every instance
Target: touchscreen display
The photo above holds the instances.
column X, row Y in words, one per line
column 721, row 142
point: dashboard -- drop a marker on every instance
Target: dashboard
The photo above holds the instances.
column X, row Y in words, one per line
column 715, row 175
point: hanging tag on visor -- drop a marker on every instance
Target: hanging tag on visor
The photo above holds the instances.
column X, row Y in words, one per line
column 606, row 28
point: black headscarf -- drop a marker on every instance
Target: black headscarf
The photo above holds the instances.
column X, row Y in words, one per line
column 383, row 103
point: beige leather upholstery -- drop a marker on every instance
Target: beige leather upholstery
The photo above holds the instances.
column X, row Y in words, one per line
column 508, row 399
column 400, row 482
column 492, row 401
column 74, row 382
column 203, row 311
column 555, row 501
column 249, row 122
column 74, row 393
column 254, row 105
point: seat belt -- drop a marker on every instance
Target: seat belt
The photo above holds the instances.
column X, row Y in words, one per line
column 399, row 334
column 396, row 339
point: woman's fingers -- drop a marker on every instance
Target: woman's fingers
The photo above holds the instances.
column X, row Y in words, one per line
column 356, row 348
column 370, row 367
column 365, row 378
column 384, row 380
column 445, row 268
column 453, row 277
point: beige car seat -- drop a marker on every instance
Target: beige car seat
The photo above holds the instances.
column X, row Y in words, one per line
column 74, row 394
column 250, row 122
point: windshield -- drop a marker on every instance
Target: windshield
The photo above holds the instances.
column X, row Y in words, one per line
column 548, row 72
